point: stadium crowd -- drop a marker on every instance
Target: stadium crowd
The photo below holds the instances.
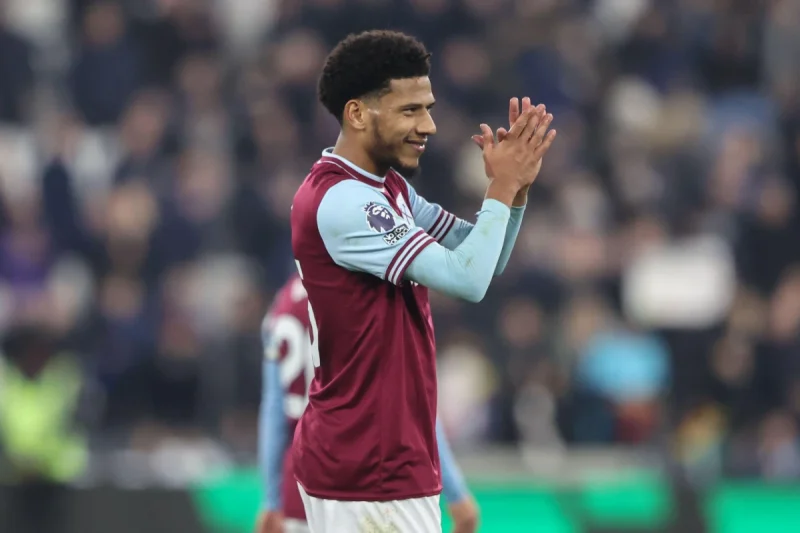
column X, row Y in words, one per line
column 150, row 150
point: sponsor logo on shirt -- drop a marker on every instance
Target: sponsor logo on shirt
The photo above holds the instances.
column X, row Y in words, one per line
column 396, row 235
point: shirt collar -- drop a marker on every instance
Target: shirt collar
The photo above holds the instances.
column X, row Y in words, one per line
column 327, row 153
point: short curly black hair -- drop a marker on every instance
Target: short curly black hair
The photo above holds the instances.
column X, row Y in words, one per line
column 364, row 64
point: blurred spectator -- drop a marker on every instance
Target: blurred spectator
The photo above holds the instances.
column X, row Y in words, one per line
column 43, row 411
column 17, row 74
column 205, row 122
column 779, row 450
column 39, row 437
column 699, row 444
column 25, row 253
column 107, row 69
column 143, row 142
column 169, row 30
column 630, row 370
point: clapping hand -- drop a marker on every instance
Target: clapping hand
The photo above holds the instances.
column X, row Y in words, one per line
column 540, row 140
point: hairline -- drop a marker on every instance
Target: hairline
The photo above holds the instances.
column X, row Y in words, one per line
column 377, row 94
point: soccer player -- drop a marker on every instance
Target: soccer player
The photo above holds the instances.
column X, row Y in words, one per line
column 287, row 374
column 367, row 248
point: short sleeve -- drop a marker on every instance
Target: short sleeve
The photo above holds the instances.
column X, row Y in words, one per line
column 432, row 218
column 363, row 233
column 267, row 339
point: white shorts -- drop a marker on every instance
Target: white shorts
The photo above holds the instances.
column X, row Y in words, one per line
column 416, row 515
column 291, row 525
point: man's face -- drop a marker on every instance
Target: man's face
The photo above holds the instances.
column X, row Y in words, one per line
column 400, row 124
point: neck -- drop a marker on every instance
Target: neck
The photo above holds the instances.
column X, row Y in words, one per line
column 351, row 151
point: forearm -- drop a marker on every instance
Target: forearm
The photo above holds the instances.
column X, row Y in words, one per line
column 271, row 436
column 454, row 488
column 466, row 271
column 461, row 229
column 512, row 230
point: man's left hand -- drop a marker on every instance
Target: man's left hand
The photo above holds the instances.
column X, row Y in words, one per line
column 464, row 515
column 514, row 111
column 270, row 522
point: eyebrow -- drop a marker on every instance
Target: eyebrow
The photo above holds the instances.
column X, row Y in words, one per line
column 417, row 106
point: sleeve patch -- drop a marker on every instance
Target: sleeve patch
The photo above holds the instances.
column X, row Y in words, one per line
column 381, row 219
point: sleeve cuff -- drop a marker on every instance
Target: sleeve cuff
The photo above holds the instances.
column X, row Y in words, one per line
column 518, row 210
column 444, row 223
column 406, row 254
column 496, row 208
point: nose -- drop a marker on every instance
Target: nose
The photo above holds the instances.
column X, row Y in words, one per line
column 427, row 126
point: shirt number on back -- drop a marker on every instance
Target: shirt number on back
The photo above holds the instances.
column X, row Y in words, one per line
column 289, row 332
column 314, row 333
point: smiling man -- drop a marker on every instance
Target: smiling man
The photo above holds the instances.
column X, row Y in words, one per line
column 367, row 248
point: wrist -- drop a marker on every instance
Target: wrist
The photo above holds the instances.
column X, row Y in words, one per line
column 521, row 198
column 502, row 192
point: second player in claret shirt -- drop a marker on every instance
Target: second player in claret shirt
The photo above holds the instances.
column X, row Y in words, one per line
column 368, row 248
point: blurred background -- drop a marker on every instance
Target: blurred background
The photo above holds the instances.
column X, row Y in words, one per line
column 637, row 367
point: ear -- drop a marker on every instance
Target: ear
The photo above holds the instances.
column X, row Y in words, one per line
column 355, row 114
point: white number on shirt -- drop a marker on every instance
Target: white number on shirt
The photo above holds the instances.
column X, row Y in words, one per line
column 314, row 333
column 287, row 331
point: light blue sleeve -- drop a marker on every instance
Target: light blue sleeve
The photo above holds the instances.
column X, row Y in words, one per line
column 512, row 230
column 363, row 233
column 451, row 231
column 466, row 271
column 444, row 227
column 272, row 431
column 454, row 487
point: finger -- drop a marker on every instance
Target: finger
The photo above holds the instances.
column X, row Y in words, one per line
column 502, row 133
column 526, row 104
column 542, row 149
column 477, row 139
column 488, row 138
column 541, row 130
column 541, row 110
column 520, row 124
column 513, row 111
column 531, row 124
column 536, row 122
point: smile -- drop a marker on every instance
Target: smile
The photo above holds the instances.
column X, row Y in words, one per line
column 420, row 146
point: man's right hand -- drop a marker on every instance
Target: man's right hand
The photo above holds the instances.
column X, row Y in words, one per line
column 270, row 522
column 514, row 163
